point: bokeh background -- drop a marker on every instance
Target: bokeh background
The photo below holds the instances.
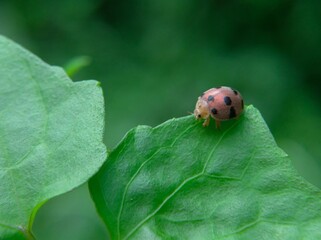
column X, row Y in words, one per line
column 154, row 58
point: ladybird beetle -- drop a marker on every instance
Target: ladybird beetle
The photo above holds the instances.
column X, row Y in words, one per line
column 222, row 103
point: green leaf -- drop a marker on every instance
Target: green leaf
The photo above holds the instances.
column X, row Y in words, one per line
column 180, row 180
column 50, row 136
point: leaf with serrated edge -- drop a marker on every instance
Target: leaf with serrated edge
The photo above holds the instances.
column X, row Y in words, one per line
column 51, row 133
column 180, row 180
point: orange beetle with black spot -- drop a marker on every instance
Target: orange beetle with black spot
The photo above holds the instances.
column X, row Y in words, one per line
column 222, row 103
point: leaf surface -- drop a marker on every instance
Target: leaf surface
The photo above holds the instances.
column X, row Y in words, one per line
column 180, row 180
column 50, row 135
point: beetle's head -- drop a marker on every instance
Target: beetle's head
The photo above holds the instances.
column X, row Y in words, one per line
column 201, row 109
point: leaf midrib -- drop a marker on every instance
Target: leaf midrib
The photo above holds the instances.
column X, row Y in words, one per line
column 139, row 169
column 177, row 188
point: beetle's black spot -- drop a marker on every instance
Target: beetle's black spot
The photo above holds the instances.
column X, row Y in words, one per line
column 202, row 94
column 214, row 111
column 232, row 112
column 219, row 87
column 227, row 100
column 235, row 92
column 210, row 98
column 242, row 104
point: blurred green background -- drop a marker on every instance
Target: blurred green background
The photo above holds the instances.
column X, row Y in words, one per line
column 154, row 58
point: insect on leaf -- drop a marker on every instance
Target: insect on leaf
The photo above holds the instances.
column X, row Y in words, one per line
column 180, row 180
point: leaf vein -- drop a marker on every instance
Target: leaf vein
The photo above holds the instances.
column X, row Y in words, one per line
column 162, row 204
column 138, row 171
column 180, row 186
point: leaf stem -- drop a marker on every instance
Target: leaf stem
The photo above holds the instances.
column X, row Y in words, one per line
column 27, row 233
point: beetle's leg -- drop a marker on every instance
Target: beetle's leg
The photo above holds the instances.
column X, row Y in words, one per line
column 218, row 124
column 206, row 122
